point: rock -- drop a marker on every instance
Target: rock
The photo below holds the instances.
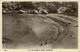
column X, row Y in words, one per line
column 4, row 11
column 33, row 12
column 21, row 11
column 43, row 12
column 64, row 10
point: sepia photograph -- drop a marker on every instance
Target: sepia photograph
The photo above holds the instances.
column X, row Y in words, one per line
column 37, row 24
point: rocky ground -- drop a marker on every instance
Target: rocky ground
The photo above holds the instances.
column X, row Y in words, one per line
column 40, row 31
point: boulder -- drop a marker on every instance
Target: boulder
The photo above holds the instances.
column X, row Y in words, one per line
column 33, row 12
column 21, row 11
column 43, row 12
column 64, row 10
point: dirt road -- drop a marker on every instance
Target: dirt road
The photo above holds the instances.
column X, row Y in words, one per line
column 30, row 31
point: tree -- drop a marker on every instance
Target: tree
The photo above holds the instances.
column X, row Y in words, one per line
column 27, row 5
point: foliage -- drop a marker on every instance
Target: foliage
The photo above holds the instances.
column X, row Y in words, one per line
column 50, row 7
